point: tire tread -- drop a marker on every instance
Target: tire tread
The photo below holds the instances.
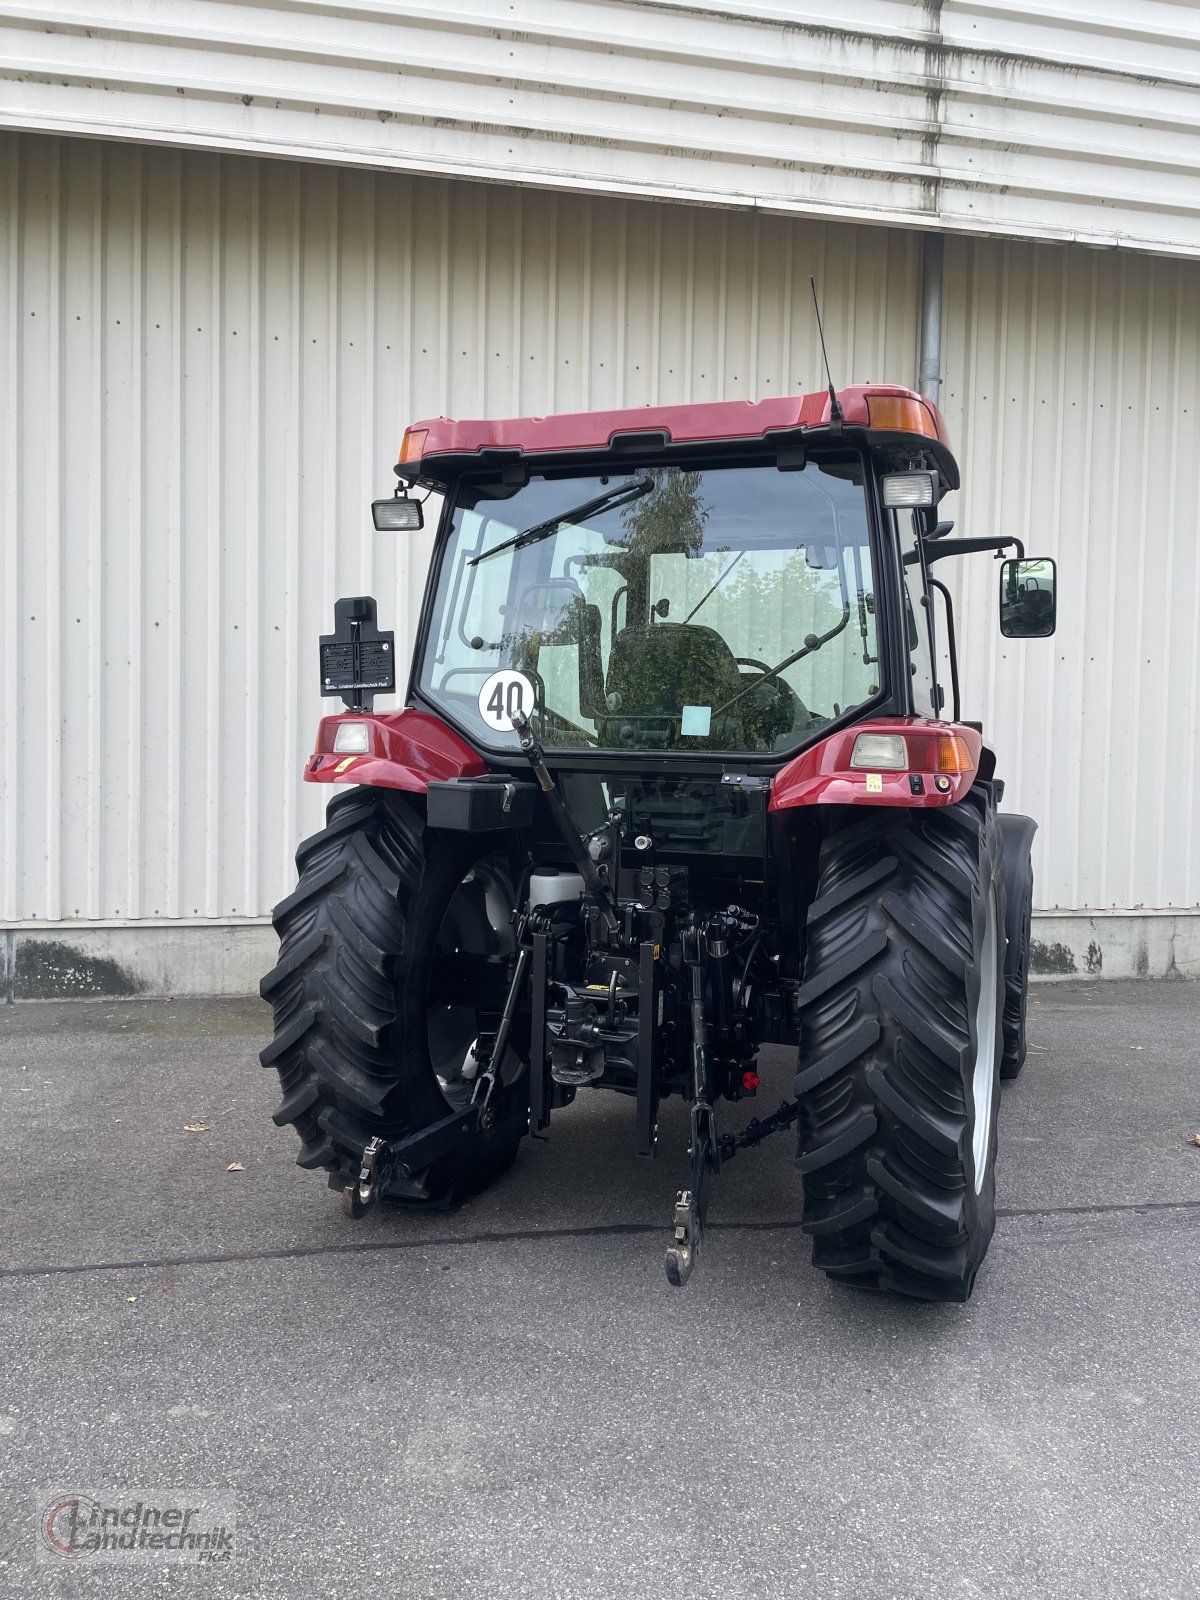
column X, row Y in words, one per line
column 886, row 1022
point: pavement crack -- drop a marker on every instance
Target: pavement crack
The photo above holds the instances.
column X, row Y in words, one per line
column 515, row 1236
column 1099, row 1210
column 365, row 1246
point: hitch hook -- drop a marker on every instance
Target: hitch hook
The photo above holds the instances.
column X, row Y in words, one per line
column 692, row 1203
column 689, row 1230
column 358, row 1197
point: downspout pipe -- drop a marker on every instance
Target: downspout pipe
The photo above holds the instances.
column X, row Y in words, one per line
column 929, row 376
column 929, row 382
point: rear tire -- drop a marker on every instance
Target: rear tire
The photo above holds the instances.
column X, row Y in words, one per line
column 362, row 996
column 900, row 1048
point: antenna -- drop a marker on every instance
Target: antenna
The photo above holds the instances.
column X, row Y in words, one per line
column 835, row 410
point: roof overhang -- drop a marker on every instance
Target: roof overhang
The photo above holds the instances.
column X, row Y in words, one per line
column 883, row 416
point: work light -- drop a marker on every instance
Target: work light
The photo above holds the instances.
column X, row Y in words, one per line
column 908, row 489
column 397, row 514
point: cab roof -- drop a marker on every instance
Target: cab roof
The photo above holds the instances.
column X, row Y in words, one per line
column 882, row 414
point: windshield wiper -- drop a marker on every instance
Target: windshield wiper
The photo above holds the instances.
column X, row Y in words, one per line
column 619, row 496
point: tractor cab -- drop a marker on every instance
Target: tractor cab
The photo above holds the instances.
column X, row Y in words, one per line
column 708, row 581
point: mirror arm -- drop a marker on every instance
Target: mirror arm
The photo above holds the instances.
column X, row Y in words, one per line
column 952, row 649
column 971, row 547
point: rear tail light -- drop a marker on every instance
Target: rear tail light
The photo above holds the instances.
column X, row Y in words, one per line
column 880, row 752
column 352, row 738
column 953, row 754
column 918, row 752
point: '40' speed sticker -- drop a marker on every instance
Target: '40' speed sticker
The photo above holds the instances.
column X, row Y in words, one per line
column 506, row 694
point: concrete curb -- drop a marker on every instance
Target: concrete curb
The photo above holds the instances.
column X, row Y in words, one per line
column 112, row 961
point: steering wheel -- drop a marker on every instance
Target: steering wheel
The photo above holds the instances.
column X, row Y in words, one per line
column 788, row 709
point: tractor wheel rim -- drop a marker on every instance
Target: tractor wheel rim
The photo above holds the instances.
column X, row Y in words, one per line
column 987, row 1011
column 454, row 1030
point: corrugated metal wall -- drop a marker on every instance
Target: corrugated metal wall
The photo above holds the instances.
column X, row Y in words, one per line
column 1022, row 117
column 1072, row 386
column 213, row 359
column 210, row 361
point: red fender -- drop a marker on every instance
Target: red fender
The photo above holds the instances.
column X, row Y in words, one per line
column 406, row 750
column 937, row 774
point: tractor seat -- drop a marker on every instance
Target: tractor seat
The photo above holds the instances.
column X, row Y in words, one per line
column 653, row 672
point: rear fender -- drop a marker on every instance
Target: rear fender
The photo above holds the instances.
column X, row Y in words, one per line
column 405, row 750
column 823, row 776
column 1016, row 843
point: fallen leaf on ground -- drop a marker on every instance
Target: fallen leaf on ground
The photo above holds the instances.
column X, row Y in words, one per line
column 195, row 1127
column 1195, row 1139
column 235, row 1166
column 131, row 1298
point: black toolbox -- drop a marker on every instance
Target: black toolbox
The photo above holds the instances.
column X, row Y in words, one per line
column 481, row 805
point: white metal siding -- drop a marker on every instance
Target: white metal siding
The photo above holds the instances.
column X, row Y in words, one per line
column 212, row 360
column 1073, row 392
column 1064, row 121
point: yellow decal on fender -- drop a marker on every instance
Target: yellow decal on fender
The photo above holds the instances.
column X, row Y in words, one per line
column 342, row 765
column 874, row 782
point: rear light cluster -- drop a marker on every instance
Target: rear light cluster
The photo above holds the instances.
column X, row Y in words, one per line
column 912, row 752
column 352, row 738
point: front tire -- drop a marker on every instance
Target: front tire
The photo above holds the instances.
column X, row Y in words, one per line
column 901, row 1044
column 394, row 954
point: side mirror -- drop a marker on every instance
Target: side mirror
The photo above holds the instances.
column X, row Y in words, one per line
column 397, row 514
column 1028, row 598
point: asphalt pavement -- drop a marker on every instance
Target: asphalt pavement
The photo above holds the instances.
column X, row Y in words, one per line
column 510, row 1400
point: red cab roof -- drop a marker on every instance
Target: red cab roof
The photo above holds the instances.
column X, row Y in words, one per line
column 882, row 408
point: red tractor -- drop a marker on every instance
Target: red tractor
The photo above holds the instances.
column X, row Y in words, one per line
column 673, row 780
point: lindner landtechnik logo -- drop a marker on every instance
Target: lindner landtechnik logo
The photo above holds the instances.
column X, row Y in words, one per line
column 165, row 1527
